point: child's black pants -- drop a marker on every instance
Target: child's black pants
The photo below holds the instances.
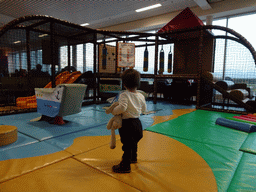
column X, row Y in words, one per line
column 130, row 133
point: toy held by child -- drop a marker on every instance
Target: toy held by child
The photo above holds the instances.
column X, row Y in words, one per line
column 113, row 124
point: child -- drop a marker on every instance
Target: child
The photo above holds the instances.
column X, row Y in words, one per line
column 131, row 105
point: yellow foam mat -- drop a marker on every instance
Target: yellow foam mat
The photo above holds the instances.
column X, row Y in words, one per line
column 164, row 164
column 17, row 167
column 65, row 176
column 176, row 113
column 87, row 143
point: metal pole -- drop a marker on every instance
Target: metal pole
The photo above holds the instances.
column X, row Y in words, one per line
column 225, row 54
column 155, row 70
column 69, row 56
column 31, row 91
column 199, row 72
column 116, row 56
column 94, row 65
column 74, row 56
column 84, row 57
column 28, row 50
column 52, row 53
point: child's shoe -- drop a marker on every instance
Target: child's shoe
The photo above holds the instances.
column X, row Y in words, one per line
column 120, row 168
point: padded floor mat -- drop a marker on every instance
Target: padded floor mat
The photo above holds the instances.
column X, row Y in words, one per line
column 164, row 164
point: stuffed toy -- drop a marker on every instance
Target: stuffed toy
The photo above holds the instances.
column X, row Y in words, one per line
column 113, row 124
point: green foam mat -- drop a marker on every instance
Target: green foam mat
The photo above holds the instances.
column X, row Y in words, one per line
column 244, row 178
column 222, row 160
column 200, row 126
column 249, row 145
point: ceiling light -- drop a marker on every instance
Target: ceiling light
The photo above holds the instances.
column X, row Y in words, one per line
column 85, row 24
column 17, row 42
column 149, row 7
column 43, row 35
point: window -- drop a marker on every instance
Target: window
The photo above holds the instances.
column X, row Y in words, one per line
column 64, row 56
column 89, row 57
column 23, row 58
column 233, row 59
column 219, row 49
column 79, row 58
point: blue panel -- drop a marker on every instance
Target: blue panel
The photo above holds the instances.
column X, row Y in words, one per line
column 10, row 119
column 32, row 150
column 43, row 130
column 48, row 108
column 21, row 141
column 165, row 108
column 146, row 120
column 65, row 141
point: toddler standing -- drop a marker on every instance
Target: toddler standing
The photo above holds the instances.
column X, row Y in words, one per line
column 131, row 105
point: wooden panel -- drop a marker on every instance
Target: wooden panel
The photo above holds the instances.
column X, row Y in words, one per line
column 186, row 56
column 111, row 59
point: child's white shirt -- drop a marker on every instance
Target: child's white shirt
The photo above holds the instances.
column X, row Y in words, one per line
column 131, row 105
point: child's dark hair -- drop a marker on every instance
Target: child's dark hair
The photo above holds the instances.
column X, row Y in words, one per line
column 131, row 78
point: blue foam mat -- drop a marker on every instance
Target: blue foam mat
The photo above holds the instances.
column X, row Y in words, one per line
column 21, row 141
column 65, row 141
column 7, row 119
column 32, row 150
column 43, row 130
column 91, row 121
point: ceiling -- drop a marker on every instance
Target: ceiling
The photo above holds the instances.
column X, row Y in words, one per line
column 98, row 13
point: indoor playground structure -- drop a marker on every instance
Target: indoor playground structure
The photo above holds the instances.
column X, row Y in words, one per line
column 190, row 60
column 207, row 145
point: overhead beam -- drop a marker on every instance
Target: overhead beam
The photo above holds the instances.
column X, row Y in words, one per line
column 203, row 4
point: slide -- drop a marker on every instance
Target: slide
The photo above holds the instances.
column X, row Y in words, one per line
column 64, row 77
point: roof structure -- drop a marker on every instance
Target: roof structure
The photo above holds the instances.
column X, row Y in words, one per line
column 185, row 19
